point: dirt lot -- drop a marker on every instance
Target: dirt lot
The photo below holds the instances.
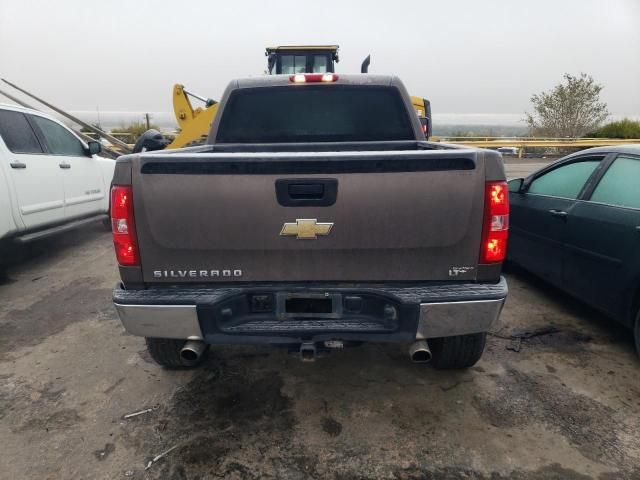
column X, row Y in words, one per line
column 566, row 406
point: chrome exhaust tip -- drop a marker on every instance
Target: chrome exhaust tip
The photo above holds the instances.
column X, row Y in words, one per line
column 192, row 350
column 419, row 352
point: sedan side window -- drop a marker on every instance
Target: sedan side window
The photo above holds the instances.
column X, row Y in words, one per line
column 59, row 139
column 566, row 181
column 17, row 134
column 620, row 184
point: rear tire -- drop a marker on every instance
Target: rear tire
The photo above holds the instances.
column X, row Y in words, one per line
column 166, row 352
column 636, row 332
column 460, row 351
column 4, row 255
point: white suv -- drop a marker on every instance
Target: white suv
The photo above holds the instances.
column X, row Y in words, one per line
column 50, row 180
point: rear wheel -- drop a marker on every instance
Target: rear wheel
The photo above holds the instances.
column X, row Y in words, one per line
column 460, row 351
column 4, row 254
column 636, row 332
column 166, row 352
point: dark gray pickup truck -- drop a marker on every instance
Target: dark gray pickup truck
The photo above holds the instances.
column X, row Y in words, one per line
column 316, row 217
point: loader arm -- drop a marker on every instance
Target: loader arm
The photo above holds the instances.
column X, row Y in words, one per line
column 193, row 123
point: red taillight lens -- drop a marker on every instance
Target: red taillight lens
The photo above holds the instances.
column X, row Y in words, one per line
column 123, row 226
column 495, row 229
column 313, row 77
column 495, row 247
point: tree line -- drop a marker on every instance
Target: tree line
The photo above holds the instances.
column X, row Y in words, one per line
column 573, row 109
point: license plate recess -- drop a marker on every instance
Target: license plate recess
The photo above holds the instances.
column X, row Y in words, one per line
column 308, row 305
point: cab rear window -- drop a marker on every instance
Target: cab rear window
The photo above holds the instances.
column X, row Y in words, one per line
column 314, row 113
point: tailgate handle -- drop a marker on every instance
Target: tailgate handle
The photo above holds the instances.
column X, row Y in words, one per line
column 306, row 192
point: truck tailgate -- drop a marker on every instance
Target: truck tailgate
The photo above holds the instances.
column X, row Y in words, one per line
column 375, row 216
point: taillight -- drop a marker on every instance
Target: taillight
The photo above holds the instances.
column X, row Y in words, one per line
column 123, row 226
column 495, row 228
column 313, row 77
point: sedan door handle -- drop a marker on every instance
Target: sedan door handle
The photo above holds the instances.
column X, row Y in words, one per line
column 638, row 229
column 559, row 214
column 64, row 165
column 18, row 165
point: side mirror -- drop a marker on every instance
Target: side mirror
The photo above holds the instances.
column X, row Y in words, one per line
column 515, row 185
column 94, row 147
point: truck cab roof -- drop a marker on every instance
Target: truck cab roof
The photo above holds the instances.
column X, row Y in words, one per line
column 341, row 79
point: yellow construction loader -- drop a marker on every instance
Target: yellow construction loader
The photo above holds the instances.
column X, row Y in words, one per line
column 194, row 123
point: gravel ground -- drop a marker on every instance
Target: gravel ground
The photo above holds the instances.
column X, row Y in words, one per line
column 565, row 406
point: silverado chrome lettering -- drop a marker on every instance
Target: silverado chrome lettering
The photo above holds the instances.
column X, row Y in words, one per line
column 197, row 273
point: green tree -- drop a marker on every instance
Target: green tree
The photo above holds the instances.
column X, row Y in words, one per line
column 135, row 129
column 571, row 109
column 625, row 128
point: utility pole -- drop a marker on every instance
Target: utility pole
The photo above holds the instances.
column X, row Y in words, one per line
column 146, row 115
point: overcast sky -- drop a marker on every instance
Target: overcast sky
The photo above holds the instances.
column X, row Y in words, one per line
column 467, row 56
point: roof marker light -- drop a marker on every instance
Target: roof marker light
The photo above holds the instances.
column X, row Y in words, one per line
column 329, row 77
column 313, row 77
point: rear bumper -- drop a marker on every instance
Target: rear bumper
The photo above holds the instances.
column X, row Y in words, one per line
column 387, row 312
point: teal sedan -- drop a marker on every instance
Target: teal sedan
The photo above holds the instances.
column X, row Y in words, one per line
column 576, row 224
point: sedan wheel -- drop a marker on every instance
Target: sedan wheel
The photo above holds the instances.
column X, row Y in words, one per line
column 636, row 332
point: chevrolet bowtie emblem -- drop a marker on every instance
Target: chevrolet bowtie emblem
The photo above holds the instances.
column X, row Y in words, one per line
column 306, row 228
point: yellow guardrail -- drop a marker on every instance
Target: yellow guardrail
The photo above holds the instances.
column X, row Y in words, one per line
column 523, row 142
column 536, row 141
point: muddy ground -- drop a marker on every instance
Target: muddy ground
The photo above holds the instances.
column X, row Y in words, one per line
column 565, row 406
